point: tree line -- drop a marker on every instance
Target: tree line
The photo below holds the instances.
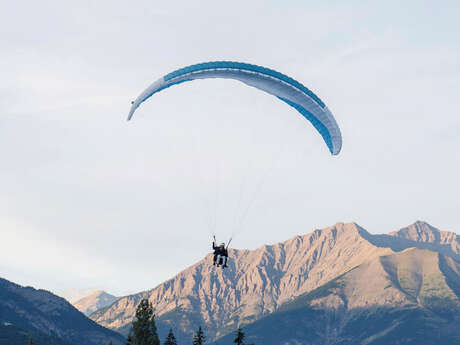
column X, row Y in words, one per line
column 144, row 330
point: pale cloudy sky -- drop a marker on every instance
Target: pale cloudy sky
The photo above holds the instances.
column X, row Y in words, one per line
column 89, row 200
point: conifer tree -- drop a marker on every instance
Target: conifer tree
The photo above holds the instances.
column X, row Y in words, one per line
column 239, row 337
column 170, row 339
column 199, row 338
column 129, row 341
column 31, row 341
column 144, row 328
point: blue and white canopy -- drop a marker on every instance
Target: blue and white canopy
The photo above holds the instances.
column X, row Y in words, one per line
column 275, row 83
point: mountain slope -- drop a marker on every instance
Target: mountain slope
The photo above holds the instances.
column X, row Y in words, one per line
column 409, row 297
column 41, row 311
column 97, row 300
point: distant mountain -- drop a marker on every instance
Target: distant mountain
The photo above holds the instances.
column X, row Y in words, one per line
column 41, row 312
column 73, row 295
column 411, row 297
column 97, row 300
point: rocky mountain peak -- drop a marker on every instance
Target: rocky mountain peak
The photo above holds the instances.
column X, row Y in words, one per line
column 421, row 231
column 96, row 300
column 425, row 236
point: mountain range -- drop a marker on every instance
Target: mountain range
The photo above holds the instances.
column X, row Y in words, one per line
column 338, row 285
column 342, row 269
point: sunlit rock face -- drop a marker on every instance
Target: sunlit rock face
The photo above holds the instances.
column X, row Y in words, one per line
column 259, row 281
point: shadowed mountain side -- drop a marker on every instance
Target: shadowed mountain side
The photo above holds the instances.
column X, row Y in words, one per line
column 13, row 335
column 368, row 326
column 419, row 235
column 402, row 298
column 41, row 311
column 451, row 271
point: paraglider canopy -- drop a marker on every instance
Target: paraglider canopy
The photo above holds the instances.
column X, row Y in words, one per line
column 275, row 83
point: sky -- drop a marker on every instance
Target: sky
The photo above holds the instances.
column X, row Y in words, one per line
column 89, row 200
